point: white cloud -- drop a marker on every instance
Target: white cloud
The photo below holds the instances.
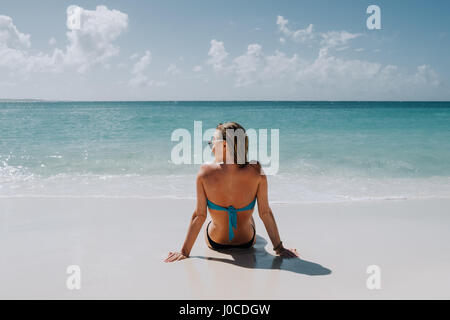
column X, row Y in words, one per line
column 256, row 67
column 246, row 66
column 280, row 66
column 173, row 70
column 332, row 39
column 327, row 76
column 14, row 55
column 52, row 41
column 139, row 78
column 426, row 75
column 282, row 25
column 329, row 70
column 331, row 76
column 11, row 37
column 300, row 35
column 90, row 45
column 13, row 46
column 198, row 75
column 142, row 63
column 217, row 55
column 142, row 80
column 93, row 43
column 324, row 77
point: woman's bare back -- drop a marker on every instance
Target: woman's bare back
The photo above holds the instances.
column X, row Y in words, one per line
column 229, row 185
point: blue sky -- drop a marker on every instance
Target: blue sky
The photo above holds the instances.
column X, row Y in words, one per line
column 225, row 50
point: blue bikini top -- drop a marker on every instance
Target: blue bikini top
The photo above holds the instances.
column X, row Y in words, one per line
column 232, row 215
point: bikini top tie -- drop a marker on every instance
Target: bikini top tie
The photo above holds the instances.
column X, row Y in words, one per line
column 232, row 215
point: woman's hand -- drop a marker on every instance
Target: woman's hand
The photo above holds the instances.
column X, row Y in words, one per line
column 287, row 253
column 175, row 256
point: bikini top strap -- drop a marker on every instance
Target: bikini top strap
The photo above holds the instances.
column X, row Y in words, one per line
column 248, row 207
column 215, row 206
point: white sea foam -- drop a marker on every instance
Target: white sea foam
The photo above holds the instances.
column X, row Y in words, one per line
column 282, row 188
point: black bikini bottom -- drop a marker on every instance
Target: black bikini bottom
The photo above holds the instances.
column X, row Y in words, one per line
column 216, row 245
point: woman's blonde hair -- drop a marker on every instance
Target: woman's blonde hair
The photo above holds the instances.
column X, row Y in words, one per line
column 231, row 131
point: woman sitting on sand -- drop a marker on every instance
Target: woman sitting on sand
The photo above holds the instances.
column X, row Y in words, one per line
column 229, row 187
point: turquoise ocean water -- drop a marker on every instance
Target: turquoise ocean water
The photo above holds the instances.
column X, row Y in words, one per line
column 329, row 151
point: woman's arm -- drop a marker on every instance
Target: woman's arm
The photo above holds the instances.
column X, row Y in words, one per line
column 198, row 218
column 195, row 225
column 266, row 215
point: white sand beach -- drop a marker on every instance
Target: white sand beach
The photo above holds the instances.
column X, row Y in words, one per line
column 119, row 244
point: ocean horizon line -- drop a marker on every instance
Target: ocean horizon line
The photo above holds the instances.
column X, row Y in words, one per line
column 206, row 100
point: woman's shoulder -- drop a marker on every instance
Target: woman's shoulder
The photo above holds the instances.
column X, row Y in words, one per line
column 256, row 166
column 206, row 168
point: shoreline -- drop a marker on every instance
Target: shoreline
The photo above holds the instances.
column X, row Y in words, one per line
column 176, row 198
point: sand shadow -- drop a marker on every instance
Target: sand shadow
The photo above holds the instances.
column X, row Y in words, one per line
column 258, row 258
